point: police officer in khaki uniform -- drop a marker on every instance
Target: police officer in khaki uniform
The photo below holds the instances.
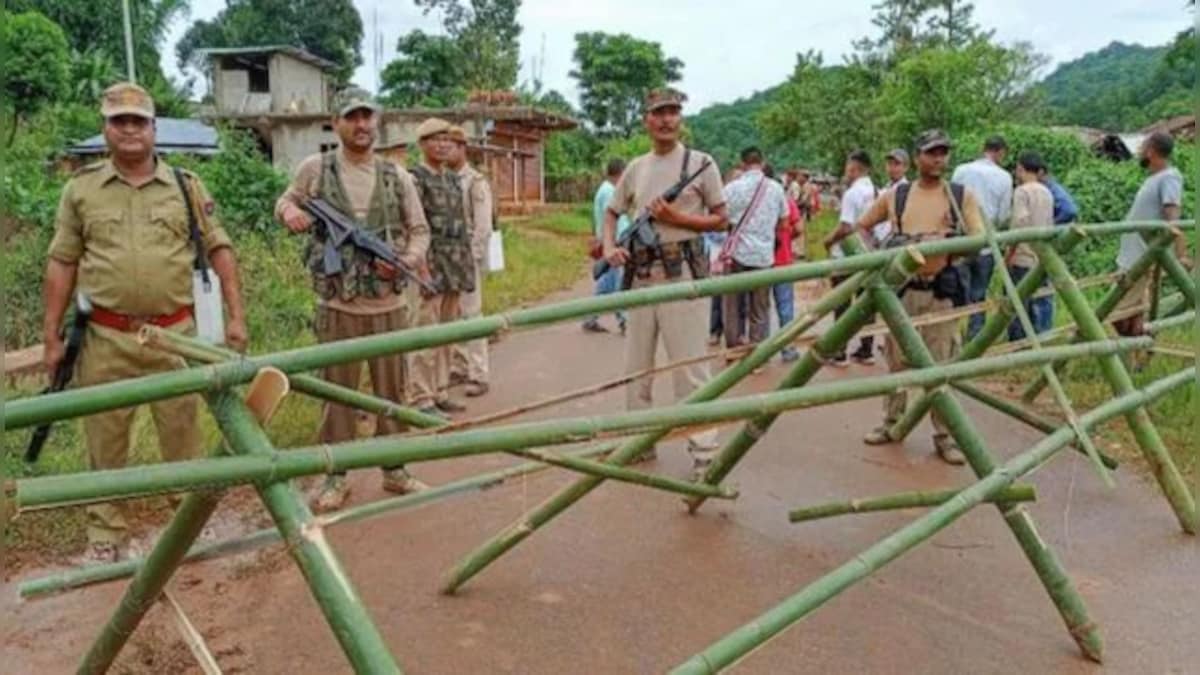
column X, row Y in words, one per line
column 122, row 235
column 368, row 297
column 470, row 359
column 450, row 262
column 682, row 326
column 929, row 208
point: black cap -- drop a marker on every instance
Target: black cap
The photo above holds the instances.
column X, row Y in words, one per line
column 933, row 138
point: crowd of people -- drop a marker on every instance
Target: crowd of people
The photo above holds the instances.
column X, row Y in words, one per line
column 131, row 233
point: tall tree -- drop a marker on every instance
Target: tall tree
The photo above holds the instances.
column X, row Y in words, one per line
column 899, row 25
column 35, row 62
column 487, row 35
column 952, row 23
column 331, row 29
column 615, row 72
column 428, row 70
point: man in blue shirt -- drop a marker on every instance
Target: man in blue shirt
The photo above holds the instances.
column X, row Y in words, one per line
column 610, row 281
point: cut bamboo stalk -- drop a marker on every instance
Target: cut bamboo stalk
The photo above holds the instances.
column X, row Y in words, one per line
column 1178, row 321
column 1141, row 267
column 331, row 587
column 1049, row 570
column 191, row 637
column 508, row 538
column 1113, row 369
column 730, row 649
column 611, row 472
column 903, row 500
column 823, row 350
column 136, row 391
column 149, row 583
column 993, row 327
column 201, row 352
column 96, row 574
column 73, row 489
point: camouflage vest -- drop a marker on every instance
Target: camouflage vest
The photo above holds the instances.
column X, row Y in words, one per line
column 450, row 261
column 385, row 219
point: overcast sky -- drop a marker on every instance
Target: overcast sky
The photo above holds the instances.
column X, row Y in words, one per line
column 732, row 49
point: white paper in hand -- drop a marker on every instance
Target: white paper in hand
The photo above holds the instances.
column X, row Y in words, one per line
column 495, row 257
column 210, row 321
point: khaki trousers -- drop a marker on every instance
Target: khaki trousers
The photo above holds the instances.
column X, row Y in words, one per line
column 942, row 339
column 338, row 422
column 109, row 355
column 683, row 327
column 429, row 369
column 470, row 359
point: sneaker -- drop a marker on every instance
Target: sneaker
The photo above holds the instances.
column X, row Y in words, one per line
column 863, row 358
column 457, row 379
column 400, row 481
column 789, row 355
column 700, row 469
column 593, row 327
column 450, row 406
column 333, row 494
column 100, row 552
column 476, row 388
column 879, row 436
column 840, row 361
column 948, row 450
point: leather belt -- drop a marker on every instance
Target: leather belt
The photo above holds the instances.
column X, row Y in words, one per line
column 129, row 324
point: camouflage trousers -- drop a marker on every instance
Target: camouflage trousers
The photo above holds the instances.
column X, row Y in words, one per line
column 109, row 355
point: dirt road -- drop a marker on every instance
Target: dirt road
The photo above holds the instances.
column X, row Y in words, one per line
column 626, row 582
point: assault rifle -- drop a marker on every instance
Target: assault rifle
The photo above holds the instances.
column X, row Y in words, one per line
column 62, row 374
column 642, row 232
column 341, row 229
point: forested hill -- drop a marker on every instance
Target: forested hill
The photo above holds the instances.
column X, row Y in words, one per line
column 724, row 129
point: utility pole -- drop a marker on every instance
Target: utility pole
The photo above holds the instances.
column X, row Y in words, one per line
column 128, row 41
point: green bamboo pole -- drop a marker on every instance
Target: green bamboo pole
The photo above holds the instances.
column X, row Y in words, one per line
column 136, row 391
column 603, row 470
column 1141, row 267
column 994, row 326
column 202, row 352
column 734, row 646
column 81, row 577
column 1060, row 393
column 89, row 487
column 1113, row 369
column 1177, row 321
column 331, row 587
column 150, row 580
column 823, row 349
column 1178, row 275
column 903, row 500
column 1049, row 570
column 512, row 535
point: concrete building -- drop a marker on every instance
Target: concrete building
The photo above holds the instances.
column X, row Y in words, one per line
column 283, row 94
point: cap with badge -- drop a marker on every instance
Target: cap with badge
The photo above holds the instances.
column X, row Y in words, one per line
column 353, row 98
column 664, row 98
column 900, row 155
column 126, row 98
column 932, row 139
column 432, row 127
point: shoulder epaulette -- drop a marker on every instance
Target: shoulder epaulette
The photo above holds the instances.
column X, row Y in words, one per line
column 88, row 168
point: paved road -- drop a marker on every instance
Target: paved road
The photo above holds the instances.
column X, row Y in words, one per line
column 626, row 582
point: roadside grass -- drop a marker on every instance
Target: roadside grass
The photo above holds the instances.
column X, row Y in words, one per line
column 543, row 255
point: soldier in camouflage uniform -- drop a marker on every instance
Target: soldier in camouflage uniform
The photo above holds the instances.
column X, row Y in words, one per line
column 122, row 235
column 451, row 263
column 470, row 360
column 368, row 297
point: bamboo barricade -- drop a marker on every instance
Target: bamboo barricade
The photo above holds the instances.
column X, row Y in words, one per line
column 255, row 461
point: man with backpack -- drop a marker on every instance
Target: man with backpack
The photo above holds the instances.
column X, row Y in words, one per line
column 925, row 210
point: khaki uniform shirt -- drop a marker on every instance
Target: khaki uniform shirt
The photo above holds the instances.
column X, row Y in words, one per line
column 358, row 179
column 478, row 205
column 649, row 176
column 928, row 214
column 132, row 244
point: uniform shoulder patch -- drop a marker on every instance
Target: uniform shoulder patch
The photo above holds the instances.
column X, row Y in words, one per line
column 88, row 168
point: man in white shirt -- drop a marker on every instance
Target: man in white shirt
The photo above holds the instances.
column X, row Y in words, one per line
column 993, row 188
column 757, row 208
column 855, row 202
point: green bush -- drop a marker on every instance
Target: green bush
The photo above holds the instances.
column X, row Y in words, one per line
column 243, row 185
column 1061, row 151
